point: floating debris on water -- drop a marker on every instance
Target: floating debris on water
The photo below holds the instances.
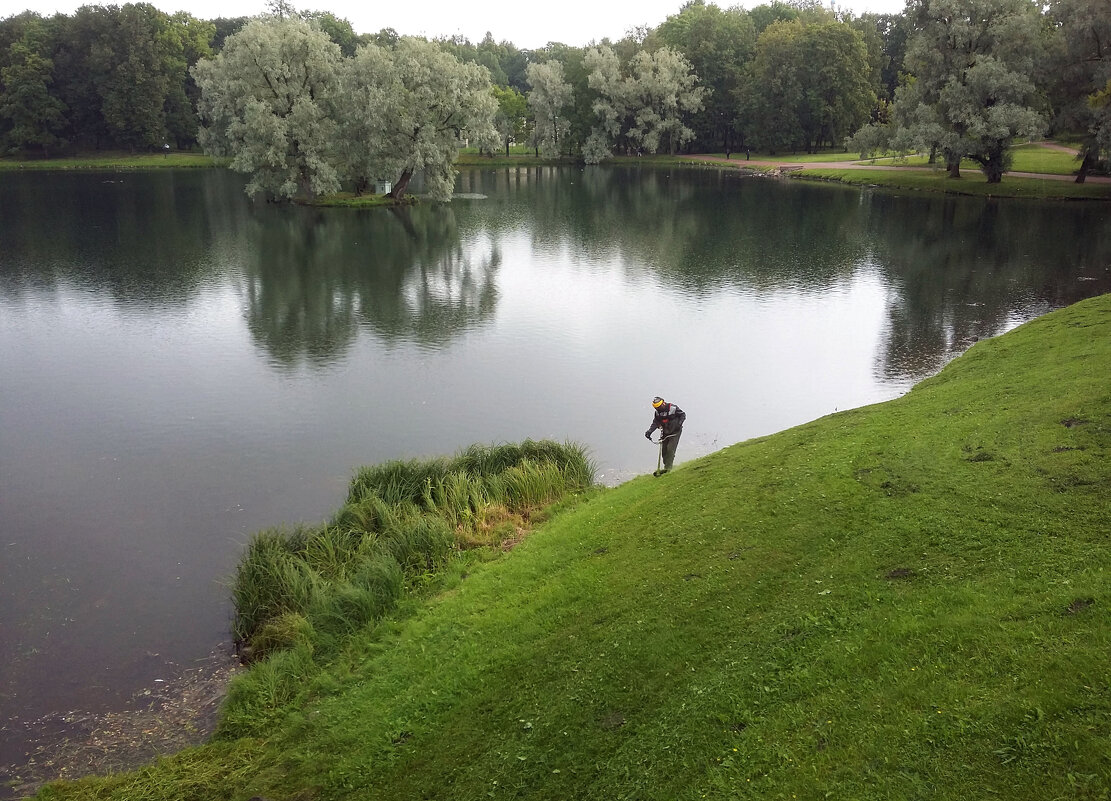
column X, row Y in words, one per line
column 177, row 713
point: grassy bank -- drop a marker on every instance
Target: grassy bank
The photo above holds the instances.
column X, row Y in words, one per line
column 970, row 184
column 115, row 161
column 300, row 594
column 349, row 200
column 906, row 601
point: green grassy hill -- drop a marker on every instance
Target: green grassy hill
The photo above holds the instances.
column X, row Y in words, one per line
column 905, row 601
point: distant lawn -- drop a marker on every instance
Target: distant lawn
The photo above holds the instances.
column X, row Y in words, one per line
column 517, row 157
column 785, row 158
column 972, row 183
column 1027, row 158
column 1035, row 158
column 806, row 158
column 514, row 150
column 115, row 161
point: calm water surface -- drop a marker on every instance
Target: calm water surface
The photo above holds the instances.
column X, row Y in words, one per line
column 180, row 367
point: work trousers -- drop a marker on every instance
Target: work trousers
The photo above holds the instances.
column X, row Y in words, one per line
column 671, row 442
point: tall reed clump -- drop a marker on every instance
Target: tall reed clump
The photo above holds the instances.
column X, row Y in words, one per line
column 304, row 588
column 299, row 592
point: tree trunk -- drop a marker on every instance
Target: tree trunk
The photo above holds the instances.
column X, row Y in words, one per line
column 507, row 148
column 402, row 184
column 1086, row 165
column 994, row 166
column 304, row 186
column 954, row 166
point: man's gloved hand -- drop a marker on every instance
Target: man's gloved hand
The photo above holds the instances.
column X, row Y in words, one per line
column 648, row 435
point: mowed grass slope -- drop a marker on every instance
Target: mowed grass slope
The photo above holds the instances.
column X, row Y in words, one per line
column 905, row 601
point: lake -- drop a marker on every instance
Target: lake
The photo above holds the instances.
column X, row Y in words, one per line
column 180, row 367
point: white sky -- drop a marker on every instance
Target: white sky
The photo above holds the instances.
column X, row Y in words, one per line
column 528, row 25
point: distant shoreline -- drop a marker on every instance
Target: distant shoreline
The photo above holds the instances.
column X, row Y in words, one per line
column 832, row 167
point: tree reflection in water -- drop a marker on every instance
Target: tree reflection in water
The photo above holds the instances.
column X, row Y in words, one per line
column 954, row 269
column 314, row 279
column 962, row 269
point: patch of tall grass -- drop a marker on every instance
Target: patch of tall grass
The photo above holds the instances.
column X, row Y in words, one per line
column 397, row 481
column 255, row 697
column 300, row 592
column 273, row 579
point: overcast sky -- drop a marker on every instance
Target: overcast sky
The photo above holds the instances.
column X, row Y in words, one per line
column 528, row 25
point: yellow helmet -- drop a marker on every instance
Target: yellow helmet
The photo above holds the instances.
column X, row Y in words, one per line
column 657, row 402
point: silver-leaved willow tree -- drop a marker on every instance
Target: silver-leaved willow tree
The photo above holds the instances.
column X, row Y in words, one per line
column 289, row 110
column 970, row 91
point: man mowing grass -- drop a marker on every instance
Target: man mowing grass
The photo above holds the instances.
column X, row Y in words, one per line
column 669, row 419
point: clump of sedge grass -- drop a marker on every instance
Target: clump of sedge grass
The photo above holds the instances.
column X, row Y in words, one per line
column 299, row 593
column 401, row 520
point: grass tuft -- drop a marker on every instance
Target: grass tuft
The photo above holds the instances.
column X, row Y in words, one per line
column 402, row 520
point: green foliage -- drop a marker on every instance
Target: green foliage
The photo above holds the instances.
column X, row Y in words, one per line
column 1077, row 68
column 512, row 119
column 268, row 102
column 718, row 44
column 118, row 76
column 765, row 15
column 109, row 76
column 503, row 60
column 972, row 93
column 870, row 141
column 299, row 117
column 35, row 117
column 808, row 86
column 549, row 96
column 409, row 109
column 641, row 106
column 893, row 30
column 401, row 520
column 338, row 30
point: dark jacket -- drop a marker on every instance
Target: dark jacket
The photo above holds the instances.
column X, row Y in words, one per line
column 669, row 419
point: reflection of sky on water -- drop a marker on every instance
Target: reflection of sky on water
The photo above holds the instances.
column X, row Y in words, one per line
column 743, row 361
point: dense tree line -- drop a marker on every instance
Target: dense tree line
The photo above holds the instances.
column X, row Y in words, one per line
column 111, row 76
column 958, row 78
